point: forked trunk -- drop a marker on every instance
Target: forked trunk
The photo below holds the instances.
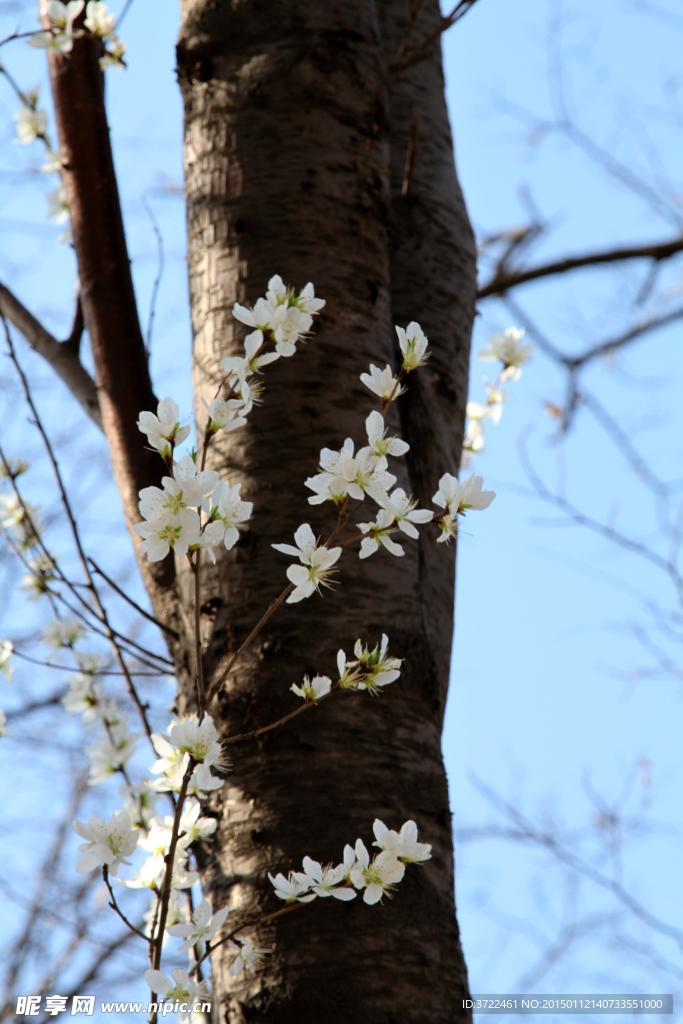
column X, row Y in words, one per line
column 295, row 149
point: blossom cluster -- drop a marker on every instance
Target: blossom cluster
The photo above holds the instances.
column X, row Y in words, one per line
column 173, row 515
column 507, row 347
column 194, row 511
column 371, row 669
column 376, row 878
column 59, row 36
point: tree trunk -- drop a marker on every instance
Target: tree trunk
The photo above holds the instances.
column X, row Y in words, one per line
column 293, row 164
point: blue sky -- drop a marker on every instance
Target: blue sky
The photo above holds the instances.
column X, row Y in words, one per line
column 546, row 611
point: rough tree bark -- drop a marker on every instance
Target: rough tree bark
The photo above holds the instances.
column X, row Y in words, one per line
column 295, row 148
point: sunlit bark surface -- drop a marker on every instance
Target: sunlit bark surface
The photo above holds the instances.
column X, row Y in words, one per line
column 295, row 149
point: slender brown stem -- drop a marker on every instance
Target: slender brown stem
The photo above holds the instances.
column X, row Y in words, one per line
column 247, row 924
column 147, row 615
column 114, row 905
column 281, row 721
column 386, row 402
column 254, row 633
column 170, row 860
column 102, row 614
column 201, row 694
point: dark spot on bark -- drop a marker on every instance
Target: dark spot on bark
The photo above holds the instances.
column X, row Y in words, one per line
column 210, row 607
column 203, row 70
column 240, row 225
column 374, row 290
column 256, row 835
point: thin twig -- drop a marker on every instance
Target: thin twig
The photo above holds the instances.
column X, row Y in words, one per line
column 114, row 905
column 160, row 263
column 281, row 721
column 504, row 280
column 148, row 615
column 255, row 631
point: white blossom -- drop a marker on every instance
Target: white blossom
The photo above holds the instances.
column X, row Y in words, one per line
column 366, row 474
column 31, row 124
column 382, row 382
column 324, row 881
column 149, row 876
column 405, row 512
column 54, row 42
column 63, row 15
column 374, row 667
column 291, row 328
column 473, row 442
column 509, row 349
column 449, row 529
column 22, row 519
column 459, row 498
column 380, row 535
column 58, row 207
column 380, row 445
column 107, row 757
column 183, row 988
column 164, row 428
column 376, row 877
column 496, row 395
column 264, row 316
column 98, row 19
column 201, row 780
column 6, row 648
column 192, row 825
column 84, row 696
column 308, row 578
column 247, row 956
column 226, row 511
column 106, row 842
column 61, row 633
column 35, row 582
column 185, row 489
column 223, row 417
column 157, row 842
column 158, row 839
column 317, row 563
column 413, row 346
column 199, row 739
column 291, row 889
column 113, row 55
column 251, row 362
column 313, row 689
column 139, row 801
column 331, row 484
column 203, row 927
column 160, row 535
column 348, row 675
column 488, row 411
column 403, row 844
column 307, row 301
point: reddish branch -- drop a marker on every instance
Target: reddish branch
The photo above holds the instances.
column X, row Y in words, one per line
column 107, row 293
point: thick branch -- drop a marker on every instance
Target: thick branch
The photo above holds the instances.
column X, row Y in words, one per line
column 503, row 279
column 62, row 356
column 107, row 294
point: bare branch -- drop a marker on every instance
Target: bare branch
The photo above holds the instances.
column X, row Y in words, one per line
column 505, row 279
column 407, row 58
column 62, row 356
column 131, row 602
